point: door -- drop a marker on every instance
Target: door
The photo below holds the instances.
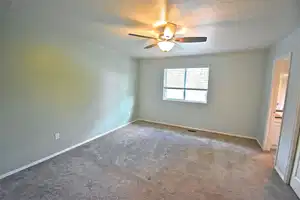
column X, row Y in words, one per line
column 275, row 131
column 295, row 179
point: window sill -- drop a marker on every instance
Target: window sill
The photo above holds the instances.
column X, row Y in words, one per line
column 185, row 101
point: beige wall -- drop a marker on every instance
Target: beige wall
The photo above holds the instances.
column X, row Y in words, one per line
column 55, row 80
column 234, row 93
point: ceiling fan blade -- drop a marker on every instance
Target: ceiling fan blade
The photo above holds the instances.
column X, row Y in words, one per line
column 150, row 46
column 191, row 39
column 178, row 46
column 141, row 36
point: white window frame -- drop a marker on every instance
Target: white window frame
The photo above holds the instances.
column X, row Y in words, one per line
column 184, row 88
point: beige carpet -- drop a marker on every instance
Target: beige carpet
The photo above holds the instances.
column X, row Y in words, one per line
column 153, row 162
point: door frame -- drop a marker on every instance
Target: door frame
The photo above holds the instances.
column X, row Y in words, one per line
column 293, row 150
column 287, row 174
column 266, row 146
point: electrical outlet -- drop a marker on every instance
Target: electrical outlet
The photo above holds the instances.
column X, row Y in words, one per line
column 57, row 136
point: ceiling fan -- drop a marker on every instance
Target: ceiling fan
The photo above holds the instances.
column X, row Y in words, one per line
column 167, row 38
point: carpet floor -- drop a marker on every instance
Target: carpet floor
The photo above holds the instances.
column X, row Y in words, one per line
column 153, row 162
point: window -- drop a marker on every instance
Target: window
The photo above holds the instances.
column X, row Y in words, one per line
column 186, row 84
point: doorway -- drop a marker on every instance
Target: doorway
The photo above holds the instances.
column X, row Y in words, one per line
column 280, row 79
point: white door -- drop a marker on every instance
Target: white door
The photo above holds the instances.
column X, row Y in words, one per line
column 275, row 132
column 295, row 179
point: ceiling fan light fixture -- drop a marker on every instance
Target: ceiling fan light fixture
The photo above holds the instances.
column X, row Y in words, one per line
column 169, row 31
column 166, row 46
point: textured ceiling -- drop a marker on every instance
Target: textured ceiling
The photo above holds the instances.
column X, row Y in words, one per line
column 230, row 25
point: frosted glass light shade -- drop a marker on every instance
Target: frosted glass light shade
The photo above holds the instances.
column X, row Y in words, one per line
column 165, row 46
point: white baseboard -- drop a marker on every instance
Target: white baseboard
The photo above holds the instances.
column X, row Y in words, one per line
column 279, row 173
column 259, row 144
column 61, row 152
column 198, row 129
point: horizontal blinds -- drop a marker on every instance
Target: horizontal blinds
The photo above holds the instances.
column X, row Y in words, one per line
column 190, row 78
column 174, row 78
